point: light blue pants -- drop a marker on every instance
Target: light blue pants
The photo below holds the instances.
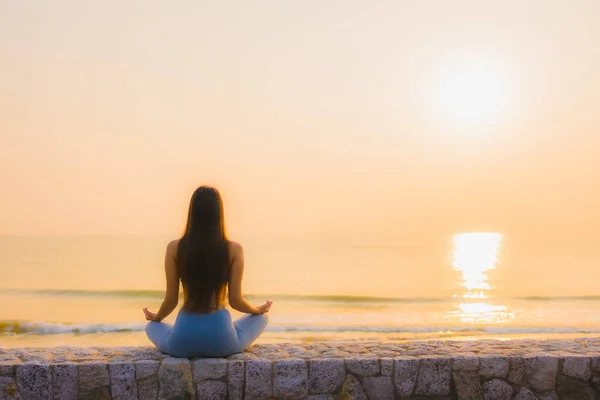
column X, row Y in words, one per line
column 206, row 335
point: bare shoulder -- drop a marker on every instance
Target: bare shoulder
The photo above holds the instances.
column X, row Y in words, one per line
column 235, row 249
column 172, row 246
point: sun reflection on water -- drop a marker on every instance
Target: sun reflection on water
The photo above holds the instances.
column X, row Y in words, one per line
column 473, row 255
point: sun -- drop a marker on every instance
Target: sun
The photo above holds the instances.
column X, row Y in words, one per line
column 472, row 93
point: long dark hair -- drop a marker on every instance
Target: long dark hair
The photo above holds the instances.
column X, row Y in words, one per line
column 203, row 261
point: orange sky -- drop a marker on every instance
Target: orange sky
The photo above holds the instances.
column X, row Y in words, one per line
column 313, row 118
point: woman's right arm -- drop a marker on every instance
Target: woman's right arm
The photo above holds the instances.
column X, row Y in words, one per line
column 236, row 299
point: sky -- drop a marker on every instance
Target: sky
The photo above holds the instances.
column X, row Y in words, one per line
column 381, row 121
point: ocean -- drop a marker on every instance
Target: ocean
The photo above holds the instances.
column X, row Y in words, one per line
column 90, row 290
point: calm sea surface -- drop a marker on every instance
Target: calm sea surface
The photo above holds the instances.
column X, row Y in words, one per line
column 90, row 290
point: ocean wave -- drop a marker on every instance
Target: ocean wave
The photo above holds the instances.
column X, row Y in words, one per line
column 48, row 328
column 346, row 299
column 45, row 328
column 157, row 294
column 560, row 298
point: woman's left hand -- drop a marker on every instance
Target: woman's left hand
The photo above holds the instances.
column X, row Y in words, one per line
column 150, row 316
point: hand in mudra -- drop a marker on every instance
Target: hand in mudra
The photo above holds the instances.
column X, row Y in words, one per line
column 264, row 308
column 150, row 316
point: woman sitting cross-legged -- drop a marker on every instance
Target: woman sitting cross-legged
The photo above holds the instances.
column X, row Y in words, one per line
column 209, row 267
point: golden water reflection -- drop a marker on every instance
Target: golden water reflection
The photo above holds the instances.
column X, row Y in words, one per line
column 473, row 255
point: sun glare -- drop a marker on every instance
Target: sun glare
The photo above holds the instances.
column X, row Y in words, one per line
column 473, row 255
column 472, row 93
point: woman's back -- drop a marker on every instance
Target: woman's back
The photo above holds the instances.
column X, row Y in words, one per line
column 209, row 267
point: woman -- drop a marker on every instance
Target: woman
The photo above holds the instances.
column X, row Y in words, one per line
column 209, row 267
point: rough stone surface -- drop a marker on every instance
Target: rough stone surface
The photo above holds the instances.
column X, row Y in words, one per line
column 525, row 369
column 34, row 381
column 146, row 368
column 175, row 376
column 210, row 389
column 406, row 370
column 434, row 377
column 209, row 368
column 577, row 367
column 93, row 376
column 352, row 390
column 467, row 384
column 7, row 368
column 595, row 381
column 378, row 387
column 466, row 362
column 497, row 390
column 235, row 379
column 595, row 362
column 387, row 366
column 517, row 371
column 326, row 376
column 541, row 371
column 570, row 388
column 290, row 379
column 64, row 381
column 148, row 388
column 122, row 381
column 525, row 394
column 259, row 378
column 494, row 366
column 362, row 366
column 550, row 395
column 8, row 388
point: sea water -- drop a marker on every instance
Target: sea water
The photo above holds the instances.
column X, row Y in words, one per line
column 90, row 290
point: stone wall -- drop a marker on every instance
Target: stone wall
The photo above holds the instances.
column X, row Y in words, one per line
column 483, row 369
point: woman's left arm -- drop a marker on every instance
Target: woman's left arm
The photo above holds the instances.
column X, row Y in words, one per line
column 172, row 293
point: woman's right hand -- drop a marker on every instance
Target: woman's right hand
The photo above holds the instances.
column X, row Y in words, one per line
column 264, row 308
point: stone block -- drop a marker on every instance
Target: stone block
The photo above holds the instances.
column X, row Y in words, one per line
column 259, row 378
column 434, row 377
column 209, row 368
column 595, row 362
column 211, row 390
column 34, row 381
column 571, row 388
column 93, row 376
column 517, row 370
column 148, row 388
column 8, row 388
column 541, row 370
column 387, row 366
column 7, row 368
column 64, row 381
column 577, row 367
column 467, row 385
column 321, row 397
column 352, row 390
column 122, row 381
column 362, row 366
column 326, row 375
column 550, row 395
column 290, row 379
column 465, row 362
column 175, row 377
column 406, row 370
column 525, row 394
column 235, row 379
column 494, row 366
column 146, row 368
column 378, row 387
column 497, row 390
